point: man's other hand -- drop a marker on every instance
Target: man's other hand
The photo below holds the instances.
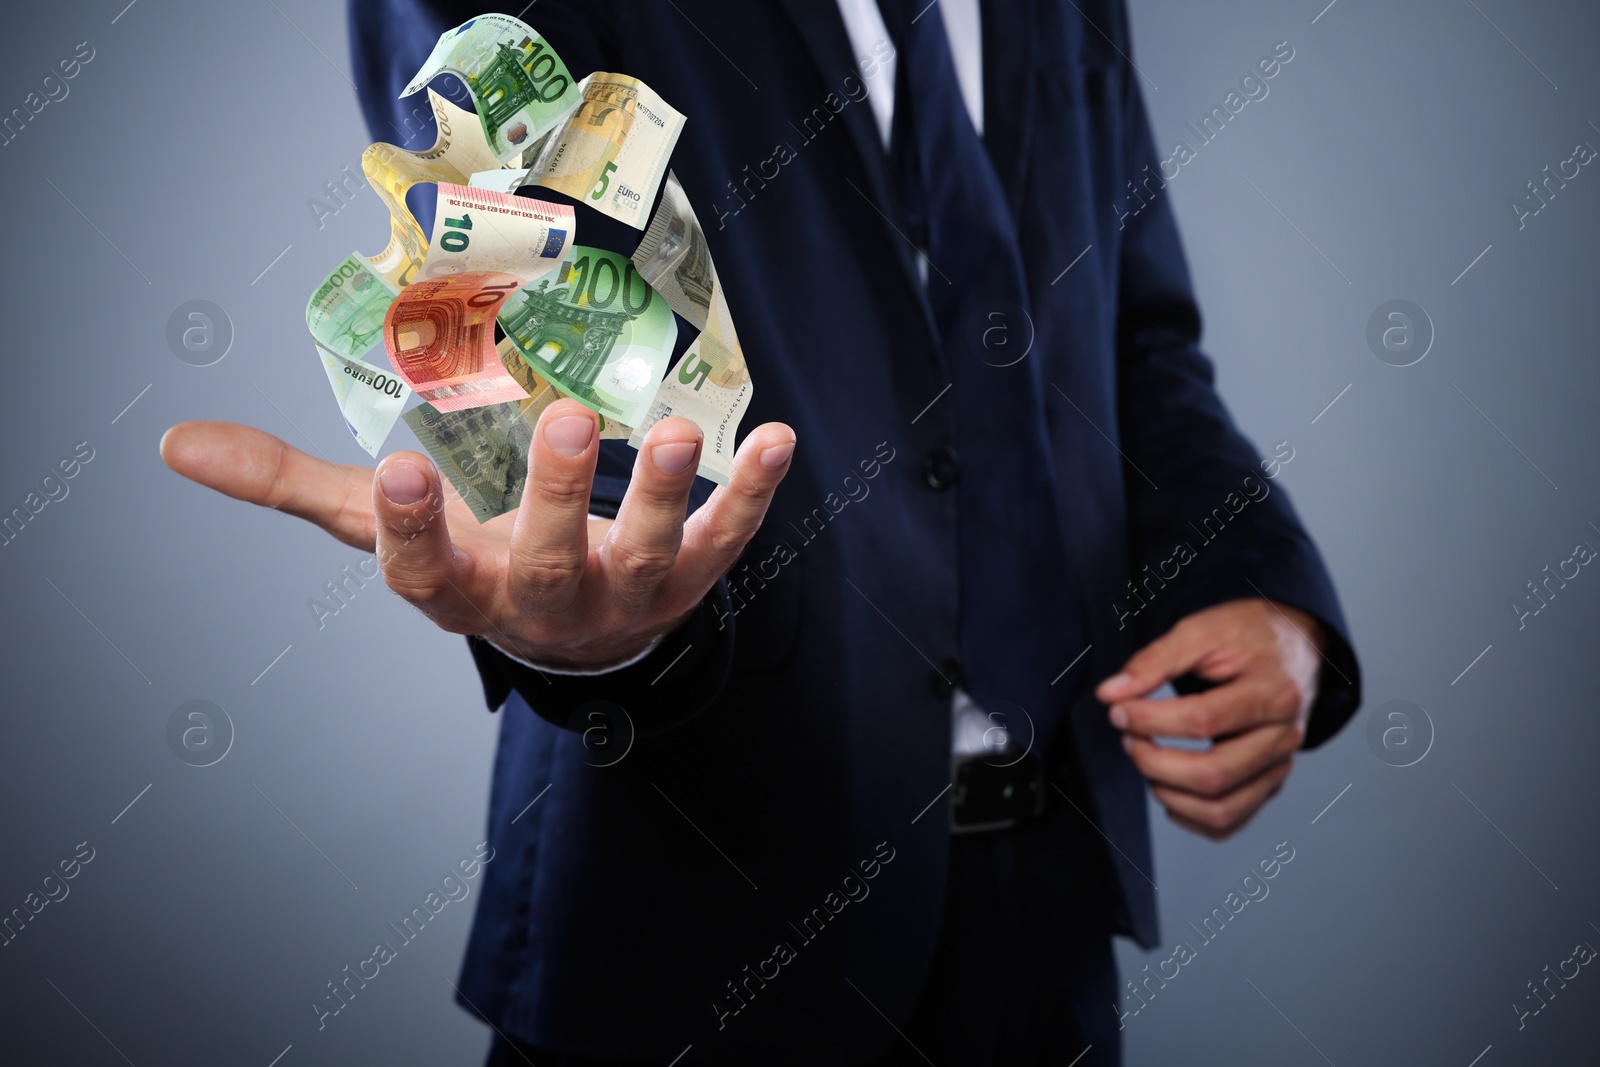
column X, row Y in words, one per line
column 1265, row 659
column 545, row 583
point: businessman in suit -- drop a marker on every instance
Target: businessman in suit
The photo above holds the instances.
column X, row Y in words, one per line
column 848, row 766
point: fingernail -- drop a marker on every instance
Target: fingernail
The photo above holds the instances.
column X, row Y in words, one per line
column 1117, row 682
column 1127, row 743
column 570, row 435
column 1119, row 717
column 672, row 458
column 403, row 484
column 776, row 456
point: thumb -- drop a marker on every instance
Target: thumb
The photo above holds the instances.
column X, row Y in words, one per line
column 249, row 464
column 1173, row 654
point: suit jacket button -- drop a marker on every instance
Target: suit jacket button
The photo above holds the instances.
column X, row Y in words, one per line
column 941, row 468
column 948, row 677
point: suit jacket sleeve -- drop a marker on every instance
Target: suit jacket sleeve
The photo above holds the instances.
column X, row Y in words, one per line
column 1176, row 433
column 389, row 41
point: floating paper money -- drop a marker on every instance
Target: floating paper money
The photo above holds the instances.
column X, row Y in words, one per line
column 519, row 85
column 612, row 153
column 711, row 388
column 606, row 142
column 459, row 152
column 674, row 258
column 440, row 337
column 541, row 394
column 500, row 181
column 440, row 330
column 476, row 230
column 597, row 331
column 711, row 384
column 346, row 311
column 369, row 397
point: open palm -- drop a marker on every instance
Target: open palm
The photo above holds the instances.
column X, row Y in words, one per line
column 545, row 583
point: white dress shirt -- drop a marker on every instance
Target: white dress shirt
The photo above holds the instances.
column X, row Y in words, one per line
column 864, row 23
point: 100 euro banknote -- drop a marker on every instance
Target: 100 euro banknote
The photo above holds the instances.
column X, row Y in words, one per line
column 370, row 398
column 596, row 330
column 520, row 87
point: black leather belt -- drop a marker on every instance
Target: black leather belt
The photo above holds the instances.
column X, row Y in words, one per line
column 994, row 792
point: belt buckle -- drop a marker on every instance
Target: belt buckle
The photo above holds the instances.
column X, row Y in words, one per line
column 988, row 795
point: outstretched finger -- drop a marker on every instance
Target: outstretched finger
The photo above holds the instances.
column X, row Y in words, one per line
column 642, row 544
column 251, row 465
column 717, row 532
column 414, row 549
column 550, row 541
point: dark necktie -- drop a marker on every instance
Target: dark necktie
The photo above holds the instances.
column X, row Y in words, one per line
column 1013, row 571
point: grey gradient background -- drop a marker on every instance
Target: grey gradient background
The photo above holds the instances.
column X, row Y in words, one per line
column 1379, row 166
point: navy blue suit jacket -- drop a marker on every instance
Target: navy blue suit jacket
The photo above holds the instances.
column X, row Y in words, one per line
column 679, row 895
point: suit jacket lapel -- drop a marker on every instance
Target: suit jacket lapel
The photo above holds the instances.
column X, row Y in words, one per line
column 822, row 30
column 1009, row 102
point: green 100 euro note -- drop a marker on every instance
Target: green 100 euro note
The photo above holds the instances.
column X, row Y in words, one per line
column 345, row 313
column 520, row 87
column 598, row 332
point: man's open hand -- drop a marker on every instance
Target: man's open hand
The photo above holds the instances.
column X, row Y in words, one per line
column 544, row 583
column 1265, row 658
